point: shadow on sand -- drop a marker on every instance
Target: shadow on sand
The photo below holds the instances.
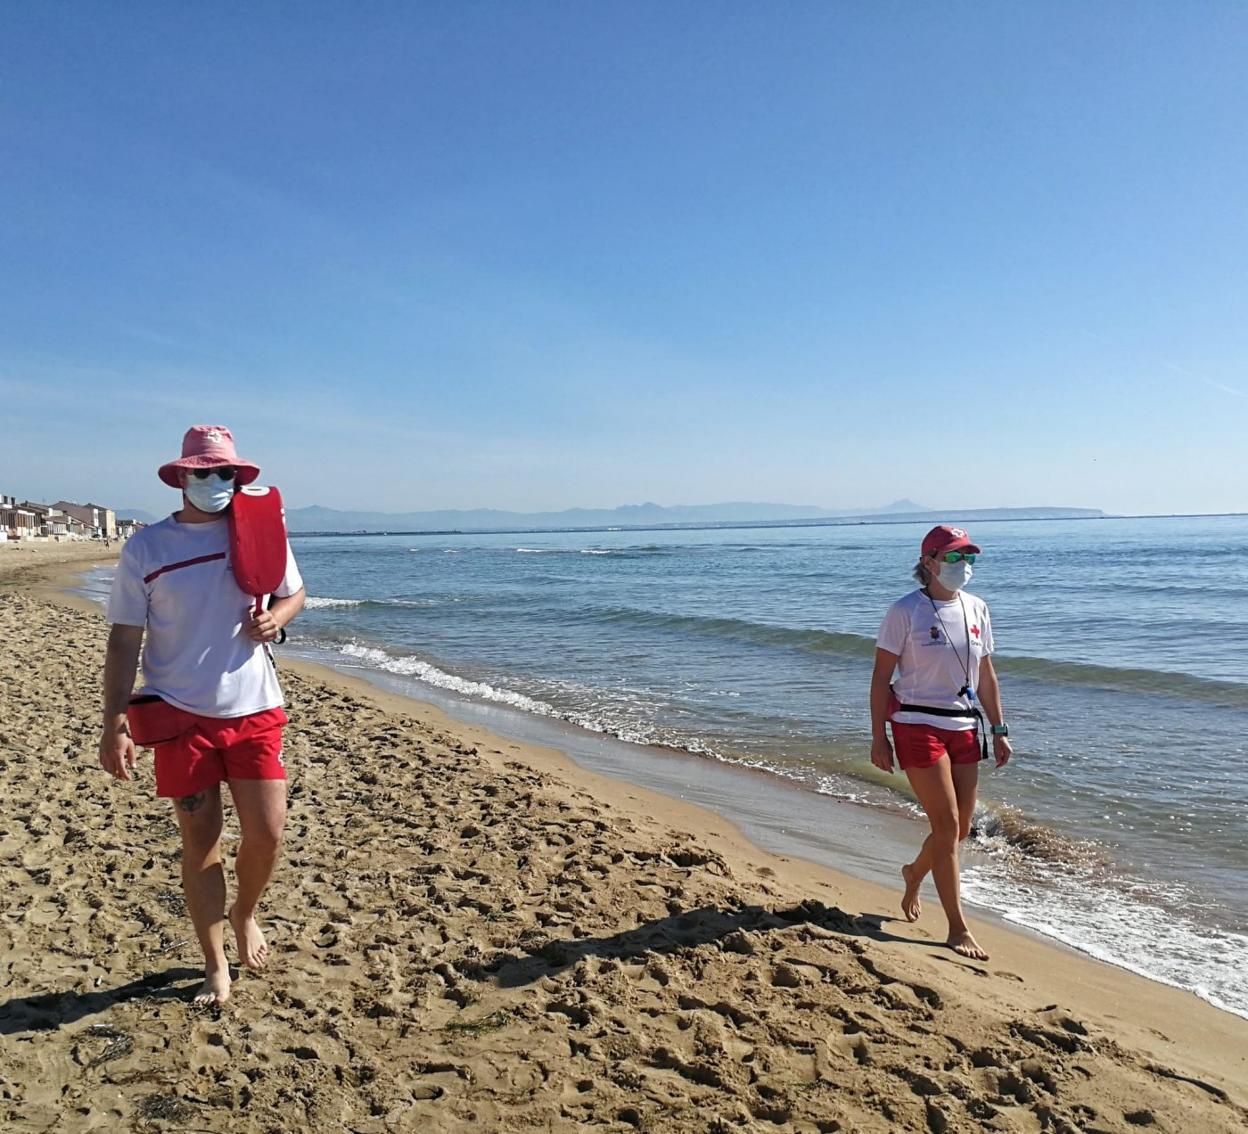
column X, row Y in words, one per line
column 679, row 931
column 52, row 1010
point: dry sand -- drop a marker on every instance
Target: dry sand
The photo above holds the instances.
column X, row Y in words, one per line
column 473, row 935
column 32, row 563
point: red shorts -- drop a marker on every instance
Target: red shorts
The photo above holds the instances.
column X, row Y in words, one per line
column 921, row 746
column 221, row 748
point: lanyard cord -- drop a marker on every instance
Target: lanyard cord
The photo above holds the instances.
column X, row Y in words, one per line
column 965, row 667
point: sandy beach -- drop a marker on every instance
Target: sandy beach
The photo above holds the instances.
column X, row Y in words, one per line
column 474, row 934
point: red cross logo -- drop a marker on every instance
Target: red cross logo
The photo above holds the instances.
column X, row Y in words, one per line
column 975, row 631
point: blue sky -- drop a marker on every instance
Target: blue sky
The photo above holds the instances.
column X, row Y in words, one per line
column 537, row 256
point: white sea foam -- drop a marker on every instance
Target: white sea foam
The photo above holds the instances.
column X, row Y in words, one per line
column 432, row 675
column 332, row 603
column 836, row 786
column 1137, row 931
column 619, row 725
column 570, row 550
column 576, row 550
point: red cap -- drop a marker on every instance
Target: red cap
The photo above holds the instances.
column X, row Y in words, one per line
column 944, row 538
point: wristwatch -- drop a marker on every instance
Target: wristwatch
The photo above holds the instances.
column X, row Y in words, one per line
column 1000, row 730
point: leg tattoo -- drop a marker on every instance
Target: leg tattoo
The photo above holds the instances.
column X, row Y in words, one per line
column 191, row 802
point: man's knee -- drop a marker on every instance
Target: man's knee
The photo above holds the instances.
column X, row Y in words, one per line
column 264, row 842
column 199, row 817
column 261, row 809
column 265, row 835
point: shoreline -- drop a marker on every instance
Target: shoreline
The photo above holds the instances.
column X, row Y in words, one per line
column 51, row 569
column 754, row 801
column 775, row 814
column 673, row 772
column 632, row 913
column 789, row 817
column 702, row 818
column 679, row 775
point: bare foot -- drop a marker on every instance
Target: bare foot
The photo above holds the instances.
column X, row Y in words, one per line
column 910, row 904
column 252, row 950
column 966, row 946
column 214, row 990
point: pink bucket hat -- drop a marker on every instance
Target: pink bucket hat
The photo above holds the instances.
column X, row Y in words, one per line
column 207, row 447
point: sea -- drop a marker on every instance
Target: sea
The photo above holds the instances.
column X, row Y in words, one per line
column 1120, row 827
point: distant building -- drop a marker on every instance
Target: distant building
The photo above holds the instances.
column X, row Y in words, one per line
column 100, row 522
column 52, row 522
column 31, row 519
column 107, row 520
column 17, row 522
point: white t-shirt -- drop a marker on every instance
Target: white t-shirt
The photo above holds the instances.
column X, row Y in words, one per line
column 938, row 645
column 175, row 580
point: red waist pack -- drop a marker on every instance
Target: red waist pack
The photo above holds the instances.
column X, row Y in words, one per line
column 152, row 720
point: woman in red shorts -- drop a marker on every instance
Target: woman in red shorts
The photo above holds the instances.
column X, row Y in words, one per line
column 938, row 641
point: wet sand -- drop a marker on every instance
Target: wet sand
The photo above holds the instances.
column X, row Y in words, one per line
column 469, row 933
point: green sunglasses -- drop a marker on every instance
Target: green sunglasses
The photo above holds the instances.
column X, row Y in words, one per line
column 957, row 556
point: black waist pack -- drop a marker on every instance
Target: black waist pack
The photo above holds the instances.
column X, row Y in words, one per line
column 960, row 714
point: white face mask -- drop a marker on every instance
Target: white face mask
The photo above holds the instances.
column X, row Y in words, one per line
column 212, row 494
column 955, row 576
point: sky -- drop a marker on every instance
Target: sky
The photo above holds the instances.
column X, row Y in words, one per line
column 538, row 255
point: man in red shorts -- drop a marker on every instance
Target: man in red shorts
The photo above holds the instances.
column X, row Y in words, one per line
column 205, row 652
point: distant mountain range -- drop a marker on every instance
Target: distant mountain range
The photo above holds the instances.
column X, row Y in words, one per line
column 137, row 514
column 319, row 519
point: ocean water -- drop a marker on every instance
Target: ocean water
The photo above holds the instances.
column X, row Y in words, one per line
column 1121, row 825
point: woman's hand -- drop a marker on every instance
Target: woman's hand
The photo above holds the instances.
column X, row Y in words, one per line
column 1002, row 750
column 881, row 696
column 882, row 754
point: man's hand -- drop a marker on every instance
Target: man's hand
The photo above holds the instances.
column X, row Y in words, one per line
column 1002, row 750
column 117, row 752
column 262, row 627
column 882, row 754
column 121, row 659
